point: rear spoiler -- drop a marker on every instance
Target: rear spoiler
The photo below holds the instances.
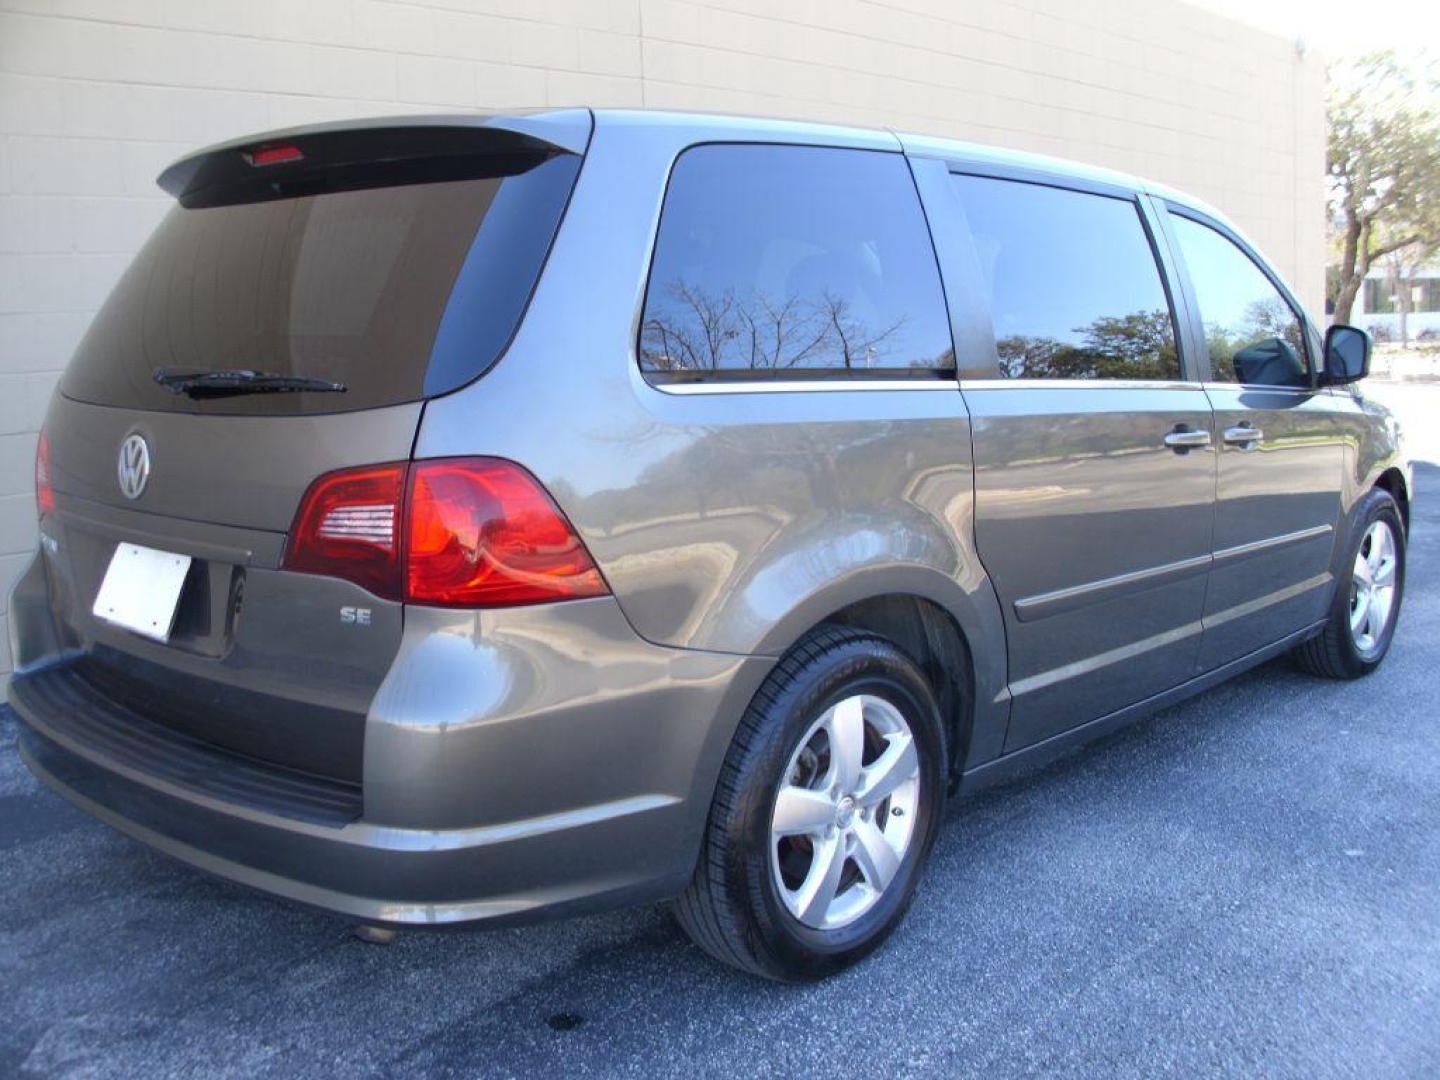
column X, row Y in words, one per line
column 352, row 154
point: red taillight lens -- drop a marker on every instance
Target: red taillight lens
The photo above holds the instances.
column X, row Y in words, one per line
column 452, row 532
column 348, row 526
column 44, row 493
column 483, row 533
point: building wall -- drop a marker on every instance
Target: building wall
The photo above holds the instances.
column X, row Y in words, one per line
column 96, row 96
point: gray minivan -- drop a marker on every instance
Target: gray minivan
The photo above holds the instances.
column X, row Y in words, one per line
column 483, row 518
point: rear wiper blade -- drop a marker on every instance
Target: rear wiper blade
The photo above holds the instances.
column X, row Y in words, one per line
column 203, row 384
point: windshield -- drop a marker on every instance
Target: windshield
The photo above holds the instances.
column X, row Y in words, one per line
column 397, row 293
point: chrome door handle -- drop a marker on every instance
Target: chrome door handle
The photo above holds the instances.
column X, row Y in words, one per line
column 1243, row 435
column 1186, row 440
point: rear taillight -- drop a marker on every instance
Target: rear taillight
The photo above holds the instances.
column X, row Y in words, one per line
column 44, row 493
column 483, row 533
column 348, row 526
column 451, row 532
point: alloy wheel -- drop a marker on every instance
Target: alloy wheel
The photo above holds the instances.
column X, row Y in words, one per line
column 1372, row 588
column 845, row 812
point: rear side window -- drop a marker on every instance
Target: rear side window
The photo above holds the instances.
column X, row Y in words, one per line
column 787, row 261
column 1251, row 332
column 1074, row 290
column 397, row 292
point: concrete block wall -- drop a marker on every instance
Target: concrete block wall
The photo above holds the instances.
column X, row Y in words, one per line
column 97, row 96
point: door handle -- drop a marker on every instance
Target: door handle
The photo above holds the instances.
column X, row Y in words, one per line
column 1243, row 435
column 1182, row 439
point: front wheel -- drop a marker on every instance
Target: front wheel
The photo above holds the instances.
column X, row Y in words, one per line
column 1367, row 604
column 825, row 811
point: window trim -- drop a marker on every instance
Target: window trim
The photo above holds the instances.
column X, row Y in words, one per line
column 807, row 379
column 1206, row 373
column 1070, row 385
column 1186, row 376
column 807, row 386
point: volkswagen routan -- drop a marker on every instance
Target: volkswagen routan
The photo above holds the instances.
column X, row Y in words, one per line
column 488, row 518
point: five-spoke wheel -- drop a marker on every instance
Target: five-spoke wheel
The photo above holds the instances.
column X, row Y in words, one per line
column 845, row 812
column 1372, row 587
column 826, row 807
column 1361, row 623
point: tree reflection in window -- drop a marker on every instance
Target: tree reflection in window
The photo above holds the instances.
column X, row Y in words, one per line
column 793, row 261
column 1251, row 332
column 692, row 330
column 1251, row 351
column 1073, row 288
column 1140, row 345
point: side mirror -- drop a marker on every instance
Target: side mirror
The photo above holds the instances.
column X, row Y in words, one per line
column 1347, row 355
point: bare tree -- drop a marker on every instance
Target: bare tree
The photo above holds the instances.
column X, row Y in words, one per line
column 782, row 335
column 694, row 330
column 855, row 339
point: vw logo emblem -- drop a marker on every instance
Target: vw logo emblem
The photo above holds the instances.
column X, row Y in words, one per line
column 134, row 470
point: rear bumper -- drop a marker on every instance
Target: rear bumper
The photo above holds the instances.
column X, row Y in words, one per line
column 525, row 870
column 518, row 764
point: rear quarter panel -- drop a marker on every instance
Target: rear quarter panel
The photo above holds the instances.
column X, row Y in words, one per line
column 725, row 522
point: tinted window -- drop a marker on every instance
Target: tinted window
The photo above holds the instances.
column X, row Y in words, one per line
column 396, row 292
column 1073, row 288
column 1251, row 332
column 782, row 261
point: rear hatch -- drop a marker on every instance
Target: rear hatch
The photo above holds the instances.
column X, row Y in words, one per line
column 308, row 293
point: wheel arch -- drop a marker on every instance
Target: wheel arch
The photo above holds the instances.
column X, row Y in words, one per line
column 953, row 629
column 935, row 641
column 1393, row 481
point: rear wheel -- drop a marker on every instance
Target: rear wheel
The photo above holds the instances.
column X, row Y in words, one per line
column 1367, row 605
column 827, row 806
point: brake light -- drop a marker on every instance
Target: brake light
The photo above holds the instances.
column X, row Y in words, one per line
column 44, row 493
column 483, row 533
column 348, row 526
column 273, row 155
column 449, row 532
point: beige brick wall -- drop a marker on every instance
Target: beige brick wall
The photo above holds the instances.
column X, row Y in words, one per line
column 96, row 96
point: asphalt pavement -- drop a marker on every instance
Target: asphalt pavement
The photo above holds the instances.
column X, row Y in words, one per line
column 1248, row 883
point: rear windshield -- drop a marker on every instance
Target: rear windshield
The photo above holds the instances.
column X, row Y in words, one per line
column 398, row 293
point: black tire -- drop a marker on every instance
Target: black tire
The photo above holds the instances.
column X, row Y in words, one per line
column 1333, row 654
column 732, row 908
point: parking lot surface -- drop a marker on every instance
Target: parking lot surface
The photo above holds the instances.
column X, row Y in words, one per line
column 1249, row 882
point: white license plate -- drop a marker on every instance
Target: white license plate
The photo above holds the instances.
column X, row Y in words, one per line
column 141, row 590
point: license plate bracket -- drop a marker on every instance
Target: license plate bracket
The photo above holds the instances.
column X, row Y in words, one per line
column 141, row 590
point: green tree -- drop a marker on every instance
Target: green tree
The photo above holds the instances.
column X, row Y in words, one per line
column 1384, row 165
